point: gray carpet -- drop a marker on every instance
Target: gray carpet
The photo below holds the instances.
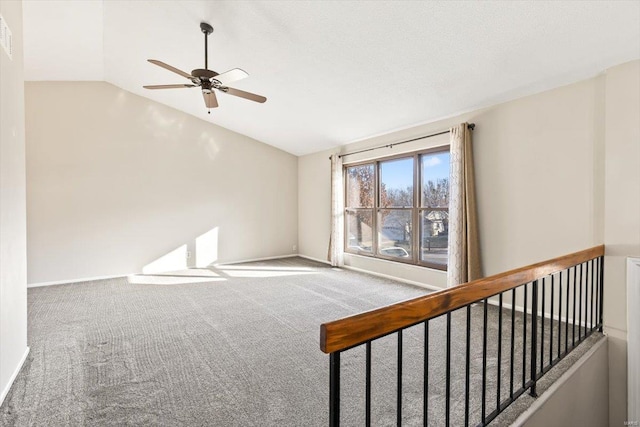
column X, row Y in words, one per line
column 233, row 346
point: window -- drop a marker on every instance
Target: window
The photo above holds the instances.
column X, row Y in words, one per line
column 359, row 214
column 398, row 208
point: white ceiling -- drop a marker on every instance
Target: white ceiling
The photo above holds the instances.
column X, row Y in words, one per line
column 333, row 72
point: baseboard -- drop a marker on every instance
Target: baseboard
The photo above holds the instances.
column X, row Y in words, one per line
column 14, row 375
column 66, row 282
column 323, row 261
column 91, row 279
column 397, row 279
column 255, row 259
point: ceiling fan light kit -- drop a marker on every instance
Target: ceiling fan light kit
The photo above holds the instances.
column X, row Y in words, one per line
column 208, row 80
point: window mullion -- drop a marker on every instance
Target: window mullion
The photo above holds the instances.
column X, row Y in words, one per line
column 415, row 229
column 376, row 207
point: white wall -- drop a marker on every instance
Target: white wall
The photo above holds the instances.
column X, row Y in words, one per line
column 535, row 181
column 622, row 218
column 578, row 398
column 115, row 182
column 13, row 256
column 314, row 205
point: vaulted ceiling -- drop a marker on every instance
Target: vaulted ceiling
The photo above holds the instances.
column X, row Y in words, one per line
column 333, row 72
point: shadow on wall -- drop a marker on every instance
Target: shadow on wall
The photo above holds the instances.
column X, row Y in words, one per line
column 203, row 249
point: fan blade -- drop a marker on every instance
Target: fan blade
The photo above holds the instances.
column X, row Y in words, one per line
column 231, row 76
column 167, row 86
column 242, row 94
column 210, row 99
column 170, row 68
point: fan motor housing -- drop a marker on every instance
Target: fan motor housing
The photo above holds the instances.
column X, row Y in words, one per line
column 206, row 28
column 202, row 73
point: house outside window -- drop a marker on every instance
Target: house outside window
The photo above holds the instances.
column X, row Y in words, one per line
column 397, row 208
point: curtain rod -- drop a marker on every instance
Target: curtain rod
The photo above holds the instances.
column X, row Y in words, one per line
column 469, row 126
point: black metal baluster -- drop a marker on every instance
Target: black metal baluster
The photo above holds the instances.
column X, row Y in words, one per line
column 559, row 313
column 586, row 299
column 594, row 294
column 597, row 294
column 585, row 284
column 499, row 368
column 484, row 364
column 551, row 324
column 467, row 368
column 598, row 302
column 575, row 272
column 542, row 321
column 399, row 397
column 600, row 319
column 598, row 281
column 334, row 389
column 513, row 321
column 592, row 300
column 368, row 386
column 566, row 323
column 524, row 338
column 448, row 375
column 534, row 336
column 580, row 305
column 596, row 272
column 425, row 401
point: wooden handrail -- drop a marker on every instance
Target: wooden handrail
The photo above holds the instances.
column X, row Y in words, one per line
column 353, row 330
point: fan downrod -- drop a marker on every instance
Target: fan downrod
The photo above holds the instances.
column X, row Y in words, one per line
column 206, row 28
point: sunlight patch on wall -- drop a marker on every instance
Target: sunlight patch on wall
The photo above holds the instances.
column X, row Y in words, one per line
column 207, row 248
column 163, row 127
column 209, row 144
column 174, row 260
column 115, row 109
column 159, row 119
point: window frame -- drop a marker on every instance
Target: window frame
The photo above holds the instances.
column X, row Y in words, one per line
column 415, row 257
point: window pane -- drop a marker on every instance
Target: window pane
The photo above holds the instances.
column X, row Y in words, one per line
column 394, row 233
column 359, row 230
column 434, row 237
column 360, row 182
column 396, row 183
column 435, row 180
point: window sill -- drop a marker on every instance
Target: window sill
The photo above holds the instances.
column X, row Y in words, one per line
column 394, row 261
column 410, row 273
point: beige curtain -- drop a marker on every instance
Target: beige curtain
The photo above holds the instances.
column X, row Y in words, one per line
column 464, row 250
column 336, row 240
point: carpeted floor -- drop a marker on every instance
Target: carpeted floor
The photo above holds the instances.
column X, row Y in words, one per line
column 231, row 346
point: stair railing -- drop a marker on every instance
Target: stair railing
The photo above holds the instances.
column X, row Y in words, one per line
column 556, row 303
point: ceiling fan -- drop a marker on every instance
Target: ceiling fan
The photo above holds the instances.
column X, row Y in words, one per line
column 207, row 79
